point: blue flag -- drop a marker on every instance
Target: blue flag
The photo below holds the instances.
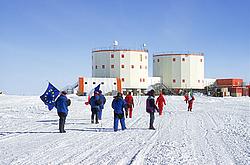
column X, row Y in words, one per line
column 97, row 88
column 49, row 96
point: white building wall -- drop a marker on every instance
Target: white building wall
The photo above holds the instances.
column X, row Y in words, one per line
column 180, row 70
column 133, row 77
column 107, row 84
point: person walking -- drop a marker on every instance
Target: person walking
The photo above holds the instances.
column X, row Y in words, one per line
column 151, row 107
column 129, row 104
column 103, row 100
column 189, row 98
column 118, row 104
column 61, row 105
column 160, row 101
column 95, row 103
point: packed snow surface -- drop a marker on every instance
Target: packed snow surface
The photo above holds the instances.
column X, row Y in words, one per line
column 216, row 132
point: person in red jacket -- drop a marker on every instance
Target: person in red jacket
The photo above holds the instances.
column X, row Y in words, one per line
column 161, row 102
column 189, row 98
column 129, row 105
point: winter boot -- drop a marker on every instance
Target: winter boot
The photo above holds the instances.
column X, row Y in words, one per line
column 153, row 128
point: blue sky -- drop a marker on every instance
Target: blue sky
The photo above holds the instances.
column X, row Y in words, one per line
column 52, row 39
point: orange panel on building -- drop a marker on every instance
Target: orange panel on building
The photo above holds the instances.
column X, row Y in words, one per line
column 119, row 85
column 81, row 85
column 229, row 82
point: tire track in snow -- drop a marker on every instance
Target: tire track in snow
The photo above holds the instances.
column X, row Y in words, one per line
column 92, row 150
column 224, row 147
column 138, row 157
column 65, row 144
column 213, row 151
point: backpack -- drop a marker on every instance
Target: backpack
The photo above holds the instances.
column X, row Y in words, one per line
column 68, row 102
column 98, row 102
column 149, row 109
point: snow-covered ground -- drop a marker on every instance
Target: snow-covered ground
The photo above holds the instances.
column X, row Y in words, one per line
column 216, row 132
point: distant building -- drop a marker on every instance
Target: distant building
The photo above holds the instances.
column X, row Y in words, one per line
column 180, row 70
column 85, row 85
column 131, row 66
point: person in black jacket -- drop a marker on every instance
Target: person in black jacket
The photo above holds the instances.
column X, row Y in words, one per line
column 151, row 107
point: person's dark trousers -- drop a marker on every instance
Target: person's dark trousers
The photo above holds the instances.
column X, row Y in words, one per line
column 152, row 118
column 94, row 115
column 61, row 121
column 126, row 112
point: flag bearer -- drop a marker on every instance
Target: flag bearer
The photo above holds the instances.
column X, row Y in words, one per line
column 61, row 105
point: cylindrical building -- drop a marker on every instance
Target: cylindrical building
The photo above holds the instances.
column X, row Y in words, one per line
column 180, row 70
column 131, row 66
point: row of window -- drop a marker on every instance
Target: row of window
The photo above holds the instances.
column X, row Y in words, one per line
column 95, row 83
column 183, row 81
column 122, row 56
column 141, row 79
column 174, row 59
column 122, row 66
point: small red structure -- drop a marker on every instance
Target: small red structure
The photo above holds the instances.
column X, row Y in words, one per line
column 229, row 82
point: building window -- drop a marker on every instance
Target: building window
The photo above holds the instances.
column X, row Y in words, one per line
column 112, row 55
column 86, row 83
column 93, row 82
column 122, row 55
column 174, row 59
column 183, row 59
column 112, row 66
column 174, row 81
column 96, row 67
column 114, row 83
column 102, row 83
column 122, row 79
column 158, row 60
column 140, row 67
column 143, row 79
column 122, row 66
column 202, row 81
column 199, row 81
column 146, row 67
column 153, row 61
column 140, row 80
column 140, row 57
column 103, row 66
column 200, row 60
column 132, row 66
column 183, row 80
column 146, row 57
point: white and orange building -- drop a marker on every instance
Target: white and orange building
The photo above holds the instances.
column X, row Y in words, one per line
column 180, row 70
column 127, row 70
column 117, row 70
column 131, row 66
column 86, row 84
